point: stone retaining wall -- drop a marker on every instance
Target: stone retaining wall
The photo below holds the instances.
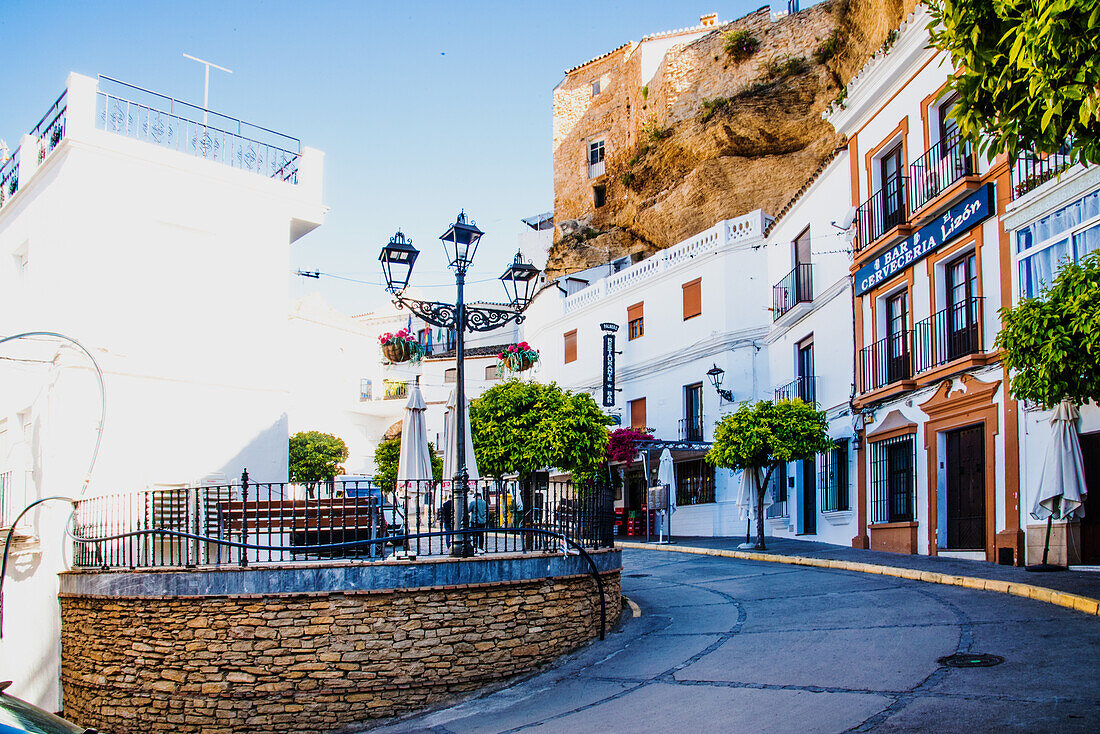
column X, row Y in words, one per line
column 311, row 661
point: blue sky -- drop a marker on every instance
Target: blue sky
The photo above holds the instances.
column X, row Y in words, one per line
column 422, row 108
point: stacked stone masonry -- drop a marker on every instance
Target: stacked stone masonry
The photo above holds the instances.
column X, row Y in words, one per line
column 310, row 662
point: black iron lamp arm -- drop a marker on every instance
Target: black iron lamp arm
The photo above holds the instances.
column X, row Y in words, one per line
column 445, row 315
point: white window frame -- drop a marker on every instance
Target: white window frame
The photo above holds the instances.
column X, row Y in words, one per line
column 1068, row 234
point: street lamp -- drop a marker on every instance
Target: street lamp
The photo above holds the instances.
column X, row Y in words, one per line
column 715, row 374
column 520, row 282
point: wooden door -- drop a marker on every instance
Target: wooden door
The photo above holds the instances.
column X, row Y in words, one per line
column 809, row 498
column 893, row 189
column 898, row 362
column 1090, row 523
column 965, row 468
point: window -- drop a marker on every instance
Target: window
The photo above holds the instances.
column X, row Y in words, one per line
column 450, row 374
column 893, row 188
column 364, row 390
column 634, row 322
column 948, row 127
column 491, row 372
column 394, row 389
column 692, row 424
column 898, row 363
column 963, row 314
column 637, row 414
column 805, row 387
column 694, row 483
column 1070, row 232
column 595, row 158
column 599, row 196
column 570, row 346
column 892, row 480
column 693, row 304
column 833, row 478
column 777, row 485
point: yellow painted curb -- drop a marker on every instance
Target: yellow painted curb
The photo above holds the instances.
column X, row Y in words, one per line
column 1027, row 591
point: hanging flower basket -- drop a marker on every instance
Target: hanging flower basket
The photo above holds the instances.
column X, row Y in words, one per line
column 517, row 358
column 400, row 347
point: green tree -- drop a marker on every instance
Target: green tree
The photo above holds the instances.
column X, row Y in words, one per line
column 1030, row 72
column 758, row 437
column 315, row 457
column 1051, row 343
column 521, row 427
column 388, row 455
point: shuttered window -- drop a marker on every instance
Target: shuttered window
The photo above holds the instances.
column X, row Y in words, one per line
column 693, row 304
column 637, row 413
column 571, row 346
column 635, row 324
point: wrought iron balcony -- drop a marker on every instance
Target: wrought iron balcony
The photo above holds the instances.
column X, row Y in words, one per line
column 887, row 361
column 1031, row 170
column 937, row 170
column 796, row 287
column 804, row 388
column 394, row 389
column 691, row 428
column 949, row 334
column 887, row 208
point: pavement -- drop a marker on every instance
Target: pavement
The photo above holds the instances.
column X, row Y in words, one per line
column 727, row 644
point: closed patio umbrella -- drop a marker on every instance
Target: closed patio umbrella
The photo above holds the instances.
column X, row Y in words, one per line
column 414, row 462
column 666, row 476
column 746, row 499
column 450, row 450
column 1062, row 487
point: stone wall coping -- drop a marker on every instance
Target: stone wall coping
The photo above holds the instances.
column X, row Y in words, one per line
column 324, row 577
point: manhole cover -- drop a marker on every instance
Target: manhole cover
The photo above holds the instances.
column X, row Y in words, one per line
column 636, row 575
column 971, row 660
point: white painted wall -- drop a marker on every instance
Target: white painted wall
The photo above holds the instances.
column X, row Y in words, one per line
column 172, row 270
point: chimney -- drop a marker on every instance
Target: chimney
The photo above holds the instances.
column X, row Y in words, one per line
column 708, row 20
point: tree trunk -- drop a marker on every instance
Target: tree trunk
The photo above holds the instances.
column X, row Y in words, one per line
column 761, row 488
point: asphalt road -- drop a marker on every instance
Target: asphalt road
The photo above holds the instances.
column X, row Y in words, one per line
column 740, row 646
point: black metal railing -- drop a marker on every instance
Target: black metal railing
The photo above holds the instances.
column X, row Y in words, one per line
column 776, row 510
column 51, row 128
column 9, row 177
column 796, row 287
column 938, row 169
column 155, row 118
column 691, row 428
column 394, row 389
column 887, row 208
column 1031, row 170
column 888, row 360
column 832, row 476
column 260, row 522
column 803, row 388
column 949, row 334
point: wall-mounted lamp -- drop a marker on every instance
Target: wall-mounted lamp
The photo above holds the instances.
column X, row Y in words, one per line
column 715, row 374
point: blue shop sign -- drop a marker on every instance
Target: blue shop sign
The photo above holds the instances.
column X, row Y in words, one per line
column 957, row 220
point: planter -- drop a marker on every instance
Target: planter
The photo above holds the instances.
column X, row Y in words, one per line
column 397, row 352
column 523, row 362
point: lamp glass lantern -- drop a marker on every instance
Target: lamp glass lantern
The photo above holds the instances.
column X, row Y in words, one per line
column 460, row 242
column 397, row 260
column 715, row 374
column 520, row 282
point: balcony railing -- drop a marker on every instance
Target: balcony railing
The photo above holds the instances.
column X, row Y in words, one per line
column 803, row 388
column 943, row 337
column 937, row 170
column 947, row 335
column 691, row 428
column 796, row 287
column 394, row 389
column 1032, row 169
column 9, row 177
column 888, row 360
column 154, row 118
column 886, row 209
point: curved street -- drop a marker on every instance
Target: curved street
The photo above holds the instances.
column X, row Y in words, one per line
column 731, row 645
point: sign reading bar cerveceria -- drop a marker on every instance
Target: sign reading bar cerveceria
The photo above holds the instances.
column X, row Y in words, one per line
column 960, row 218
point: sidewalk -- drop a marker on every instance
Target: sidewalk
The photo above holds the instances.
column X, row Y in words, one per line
column 1084, row 585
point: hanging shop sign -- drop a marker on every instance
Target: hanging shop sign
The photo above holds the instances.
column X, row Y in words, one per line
column 956, row 221
column 608, row 370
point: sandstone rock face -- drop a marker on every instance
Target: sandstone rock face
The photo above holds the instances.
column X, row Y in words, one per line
column 708, row 137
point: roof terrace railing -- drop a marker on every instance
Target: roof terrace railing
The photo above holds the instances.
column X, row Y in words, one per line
column 155, row 118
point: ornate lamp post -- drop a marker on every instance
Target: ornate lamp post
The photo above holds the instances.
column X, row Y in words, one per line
column 520, row 283
column 715, row 374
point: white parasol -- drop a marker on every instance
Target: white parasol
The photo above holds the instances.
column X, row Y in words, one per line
column 1062, row 486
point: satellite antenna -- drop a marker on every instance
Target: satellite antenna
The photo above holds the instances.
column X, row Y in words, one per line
column 847, row 221
column 206, row 82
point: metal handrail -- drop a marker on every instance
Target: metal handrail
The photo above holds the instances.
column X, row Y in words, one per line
column 804, row 388
column 887, row 361
column 938, row 169
column 873, row 216
column 795, row 287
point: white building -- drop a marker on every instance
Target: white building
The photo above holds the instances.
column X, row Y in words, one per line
column 158, row 236
column 700, row 303
column 1056, row 215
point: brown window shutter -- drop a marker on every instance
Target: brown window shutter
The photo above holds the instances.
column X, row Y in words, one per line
column 637, row 413
column 634, row 312
column 693, row 304
column 571, row 346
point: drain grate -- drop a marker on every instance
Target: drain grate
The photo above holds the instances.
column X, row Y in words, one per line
column 636, row 575
column 971, row 660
